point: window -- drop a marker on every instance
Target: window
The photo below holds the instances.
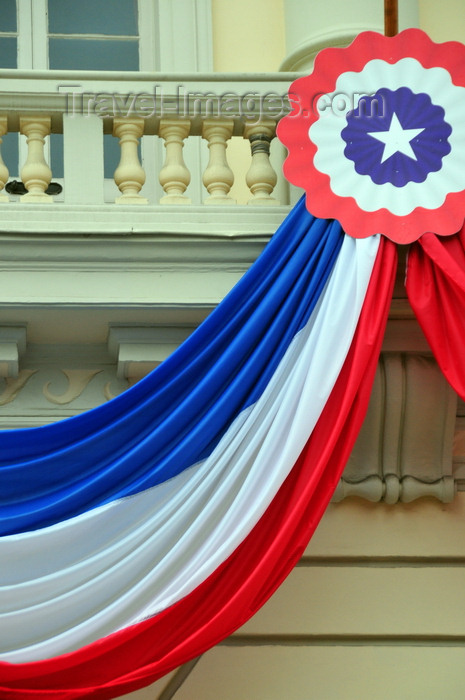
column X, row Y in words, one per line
column 93, row 35
column 8, row 34
column 8, row 59
column 115, row 35
column 146, row 35
column 69, row 35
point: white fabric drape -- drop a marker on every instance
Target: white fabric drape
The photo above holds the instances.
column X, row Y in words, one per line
column 64, row 586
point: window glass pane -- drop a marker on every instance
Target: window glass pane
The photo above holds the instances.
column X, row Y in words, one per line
column 8, row 52
column 8, row 16
column 56, row 155
column 10, row 154
column 92, row 54
column 92, row 17
column 111, row 154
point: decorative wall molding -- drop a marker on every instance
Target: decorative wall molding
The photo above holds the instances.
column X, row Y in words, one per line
column 302, row 56
column 78, row 379
column 58, row 381
column 222, row 225
column 404, row 450
column 138, row 350
column 77, row 284
column 13, row 385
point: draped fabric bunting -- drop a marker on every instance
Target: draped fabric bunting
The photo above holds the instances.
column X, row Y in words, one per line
column 141, row 533
column 436, row 291
column 175, row 417
column 137, row 535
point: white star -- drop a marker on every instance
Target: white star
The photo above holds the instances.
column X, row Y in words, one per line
column 396, row 139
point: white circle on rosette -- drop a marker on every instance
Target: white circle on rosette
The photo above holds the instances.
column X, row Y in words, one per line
column 401, row 201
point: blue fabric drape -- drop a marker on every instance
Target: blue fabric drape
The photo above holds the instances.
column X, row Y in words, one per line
column 175, row 416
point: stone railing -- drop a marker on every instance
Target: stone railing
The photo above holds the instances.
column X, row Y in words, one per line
column 148, row 110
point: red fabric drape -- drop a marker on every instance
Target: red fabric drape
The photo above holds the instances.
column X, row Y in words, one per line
column 436, row 290
column 137, row 656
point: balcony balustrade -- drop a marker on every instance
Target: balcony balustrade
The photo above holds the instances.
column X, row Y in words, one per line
column 181, row 127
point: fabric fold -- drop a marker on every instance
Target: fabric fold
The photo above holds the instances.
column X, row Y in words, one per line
column 137, row 655
column 177, row 415
column 435, row 286
column 173, row 536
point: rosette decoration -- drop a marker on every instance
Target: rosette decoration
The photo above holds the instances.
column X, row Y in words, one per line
column 138, row 535
column 376, row 136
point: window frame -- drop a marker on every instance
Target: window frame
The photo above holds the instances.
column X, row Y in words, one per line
column 175, row 36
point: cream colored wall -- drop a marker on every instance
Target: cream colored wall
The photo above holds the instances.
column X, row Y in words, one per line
column 373, row 612
column 346, row 672
column 248, row 36
column 443, row 21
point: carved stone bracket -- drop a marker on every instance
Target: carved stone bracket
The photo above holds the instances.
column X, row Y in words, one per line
column 138, row 350
column 12, row 346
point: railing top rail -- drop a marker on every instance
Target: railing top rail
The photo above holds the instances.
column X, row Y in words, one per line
column 286, row 77
column 244, row 98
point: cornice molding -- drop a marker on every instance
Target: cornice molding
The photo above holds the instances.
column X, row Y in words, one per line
column 138, row 350
column 162, row 222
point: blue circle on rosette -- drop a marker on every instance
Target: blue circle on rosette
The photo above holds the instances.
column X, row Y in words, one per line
column 414, row 111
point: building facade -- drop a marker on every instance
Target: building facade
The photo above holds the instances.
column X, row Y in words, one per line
column 145, row 145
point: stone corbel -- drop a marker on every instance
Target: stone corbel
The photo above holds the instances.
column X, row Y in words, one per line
column 12, row 347
column 390, row 489
column 138, row 350
column 404, row 450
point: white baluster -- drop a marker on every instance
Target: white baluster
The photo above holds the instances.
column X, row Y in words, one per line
column 4, row 174
column 174, row 176
column 218, row 177
column 129, row 175
column 261, row 178
column 35, row 174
